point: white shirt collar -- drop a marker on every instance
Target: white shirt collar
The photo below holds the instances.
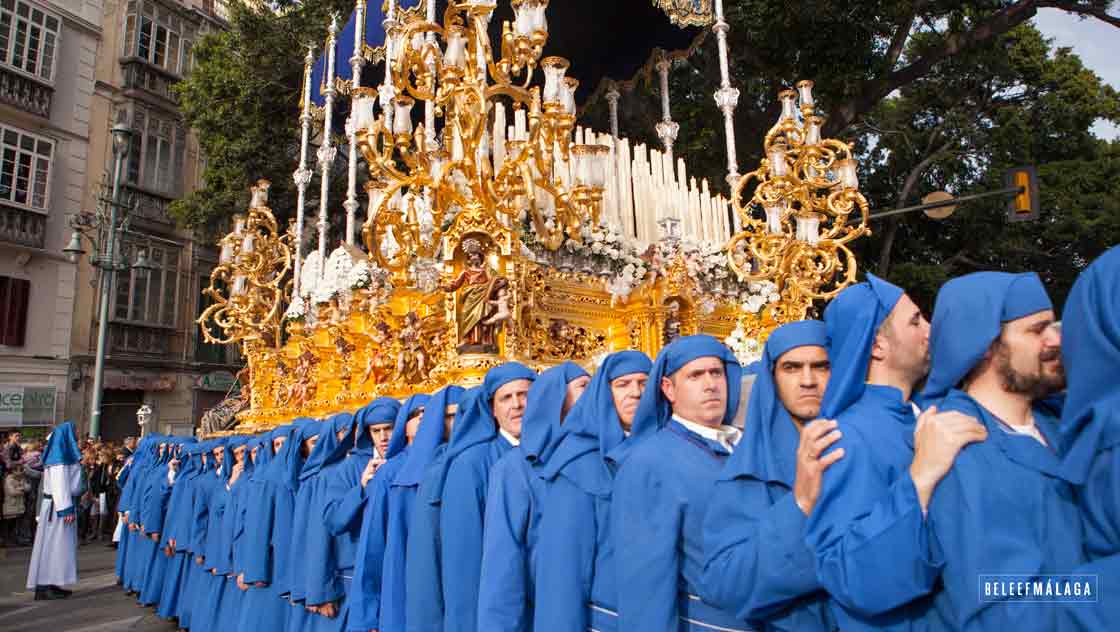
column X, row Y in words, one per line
column 726, row 436
column 514, row 441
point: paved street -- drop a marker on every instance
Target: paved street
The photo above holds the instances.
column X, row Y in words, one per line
column 97, row 605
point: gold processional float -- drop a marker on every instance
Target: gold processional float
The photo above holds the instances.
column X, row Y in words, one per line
column 498, row 230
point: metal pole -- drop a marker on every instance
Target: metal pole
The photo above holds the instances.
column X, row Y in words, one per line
column 942, row 204
column 107, row 265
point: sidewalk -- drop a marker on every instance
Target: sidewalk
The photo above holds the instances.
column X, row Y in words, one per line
column 97, row 605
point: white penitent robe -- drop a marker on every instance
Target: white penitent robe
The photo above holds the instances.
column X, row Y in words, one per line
column 54, row 558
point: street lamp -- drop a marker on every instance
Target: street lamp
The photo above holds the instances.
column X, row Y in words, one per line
column 103, row 230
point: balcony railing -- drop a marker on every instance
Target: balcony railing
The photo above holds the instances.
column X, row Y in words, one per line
column 22, row 227
column 25, row 93
column 139, row 340
column 149, row 207
column 138, row 75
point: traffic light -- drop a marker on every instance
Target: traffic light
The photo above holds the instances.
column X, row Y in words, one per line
column 1024, row 205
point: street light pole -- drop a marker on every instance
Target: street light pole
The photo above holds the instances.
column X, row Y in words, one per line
column 107, row 264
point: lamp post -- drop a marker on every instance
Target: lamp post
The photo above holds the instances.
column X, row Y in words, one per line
column 106, row 243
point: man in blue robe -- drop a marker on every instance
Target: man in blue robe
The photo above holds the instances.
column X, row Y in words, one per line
column 228, row 605
column 385, row 586
column 481, row 436
column 319, row 588
column 176, row 523
column 663, row 490
column 513, row 504
column 219, row 529
column 868, row 528
column 291, row 520
column 206, row 488
column 424, row 604
column 356, row 481
column 1091, row 429
column 1004, row 507
column 346, row 492
column 575, row 574
column 758, row 565
column 253, row 552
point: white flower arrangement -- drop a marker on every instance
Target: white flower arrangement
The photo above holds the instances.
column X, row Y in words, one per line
column 297, row 310
column 311, row 273
column 360, row 276
column 745, row 348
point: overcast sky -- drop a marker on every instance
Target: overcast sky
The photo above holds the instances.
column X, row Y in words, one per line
column 1089, row 39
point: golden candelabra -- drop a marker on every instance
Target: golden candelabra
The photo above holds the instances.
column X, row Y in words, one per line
column 796, row 225
column 417, row 189
column 248, row 285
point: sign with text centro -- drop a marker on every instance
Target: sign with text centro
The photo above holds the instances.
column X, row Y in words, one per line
column 27, row 405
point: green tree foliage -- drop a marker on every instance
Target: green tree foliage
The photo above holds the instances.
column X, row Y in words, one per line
column 242, row 100
column 935, row 96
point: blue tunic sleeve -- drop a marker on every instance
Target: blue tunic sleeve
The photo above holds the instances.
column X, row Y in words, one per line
column 345, row 497
column 1099, row 500
column 504, row 587
column 646, row 520
column 424, row 584
column 461, row 524
column 757, row 563
column 321, row 585
column 365, row 597
column 200, row 514
column 155, row 505
column 566, row 561
column 869, row 535
column 256, row 554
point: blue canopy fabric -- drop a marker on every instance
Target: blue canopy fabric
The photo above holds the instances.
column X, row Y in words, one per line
column 967, row 317
column 654, row 410
column 852, row 320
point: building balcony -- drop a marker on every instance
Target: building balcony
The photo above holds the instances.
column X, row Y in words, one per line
column 20, row 91
column 136, row 340
column 140, row 75
column 150, row 207
column 22, row 227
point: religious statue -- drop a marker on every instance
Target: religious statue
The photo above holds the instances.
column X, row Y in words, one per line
column 379, row 362
column 477, row 292
column 412, row 364
column 673, row 321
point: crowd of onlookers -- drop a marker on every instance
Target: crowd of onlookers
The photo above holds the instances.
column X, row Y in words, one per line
column 21, row 470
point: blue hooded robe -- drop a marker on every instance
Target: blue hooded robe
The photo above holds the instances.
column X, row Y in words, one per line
column 1004, row 507
column 218, row 556
column 424, row 604
column 1091, row 428
column 758, row 565
column 201, row 578
column 867, row 530
column 476, row 444
column 364, row 611
column 575, row 574
column 660, row 496
column 513, row 508
column 290, row 522
column 175, row 523
column 262, row 607
column 149, row 561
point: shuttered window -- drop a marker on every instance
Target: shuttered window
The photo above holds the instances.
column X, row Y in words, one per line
column 14, row 300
